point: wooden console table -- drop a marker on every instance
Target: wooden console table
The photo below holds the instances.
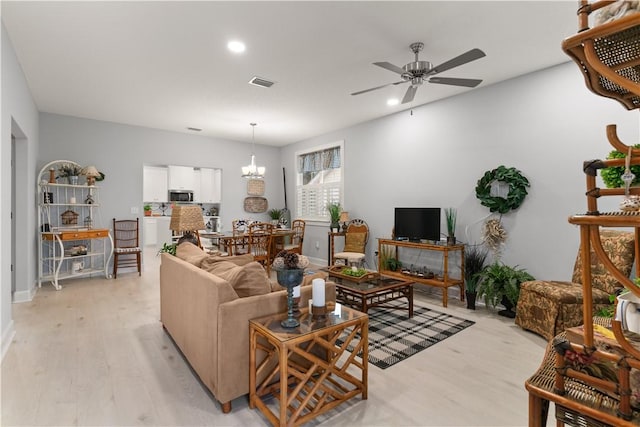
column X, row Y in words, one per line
column 94, row 260
column 305, row 369
column 444, row 282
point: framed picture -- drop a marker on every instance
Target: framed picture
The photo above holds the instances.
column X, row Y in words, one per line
column 48, row 197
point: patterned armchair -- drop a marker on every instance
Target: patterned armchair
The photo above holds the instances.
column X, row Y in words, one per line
column 549, row 307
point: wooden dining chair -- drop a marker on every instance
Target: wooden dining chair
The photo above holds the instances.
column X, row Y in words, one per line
column 259, row 238
column 240, row 242
column 127, row 251
column 297, row 227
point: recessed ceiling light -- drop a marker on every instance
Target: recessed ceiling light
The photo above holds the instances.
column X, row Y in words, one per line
column 236, row 46
column 393, row 101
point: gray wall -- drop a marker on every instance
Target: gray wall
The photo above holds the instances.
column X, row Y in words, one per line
column 20, row 117
column 544, row 124
column 120, row 151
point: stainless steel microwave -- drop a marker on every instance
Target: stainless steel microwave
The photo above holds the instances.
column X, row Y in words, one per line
column 180, row 196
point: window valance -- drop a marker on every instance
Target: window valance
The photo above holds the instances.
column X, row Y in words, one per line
column 319, row 160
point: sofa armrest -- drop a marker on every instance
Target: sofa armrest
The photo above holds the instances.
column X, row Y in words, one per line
column 189, row 301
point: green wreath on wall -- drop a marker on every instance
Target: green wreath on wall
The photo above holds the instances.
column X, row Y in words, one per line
column 517, row 189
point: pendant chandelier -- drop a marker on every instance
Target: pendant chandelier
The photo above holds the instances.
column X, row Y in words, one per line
column 252, row 171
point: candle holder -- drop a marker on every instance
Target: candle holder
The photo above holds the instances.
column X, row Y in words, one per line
column 290, row 278
column 296, row 307
column 319, row 313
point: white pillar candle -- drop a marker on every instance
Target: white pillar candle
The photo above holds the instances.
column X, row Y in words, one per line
column 72, row 200
column 296, row 291
column 317, row 291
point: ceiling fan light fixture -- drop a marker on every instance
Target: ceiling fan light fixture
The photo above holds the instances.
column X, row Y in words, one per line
column 252, row 171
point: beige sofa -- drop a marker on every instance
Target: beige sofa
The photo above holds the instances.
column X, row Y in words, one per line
column 209, row 322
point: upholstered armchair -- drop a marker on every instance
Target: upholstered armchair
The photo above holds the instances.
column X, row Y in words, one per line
column 355, row 243
column 549, row 307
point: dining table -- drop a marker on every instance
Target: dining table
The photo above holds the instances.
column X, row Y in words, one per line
column 233, row 243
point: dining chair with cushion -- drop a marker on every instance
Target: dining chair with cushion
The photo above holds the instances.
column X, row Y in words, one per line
column 259, row 243
column 126, row 246
column 355, row 243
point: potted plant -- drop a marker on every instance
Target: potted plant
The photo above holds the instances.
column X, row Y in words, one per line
column 612, row 176
column 500, row 284
column 147, row 209
column 475, row 258
column 451, row 214
column 70, row 171
column 334, row 213
column 275, row 215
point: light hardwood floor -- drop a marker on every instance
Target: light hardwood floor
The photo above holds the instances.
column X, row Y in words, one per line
column 95, row 354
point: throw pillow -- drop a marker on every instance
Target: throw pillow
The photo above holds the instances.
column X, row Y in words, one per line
column 354, row 242
column 191, row 253
column 247, row 280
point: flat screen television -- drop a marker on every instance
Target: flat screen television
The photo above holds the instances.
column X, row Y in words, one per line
column 417, row 224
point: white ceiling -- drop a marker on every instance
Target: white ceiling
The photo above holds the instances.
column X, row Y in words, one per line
column 165, row 65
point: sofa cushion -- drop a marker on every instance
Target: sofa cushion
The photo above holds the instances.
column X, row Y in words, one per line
column 235, row 259
column 247, row 280
column 190, row 253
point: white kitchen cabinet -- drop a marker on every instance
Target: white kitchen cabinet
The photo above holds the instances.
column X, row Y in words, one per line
column 210, row 185
column 197, row 190
column 164, row 233
column 181, row 178
column 155, row 184
column 150, row 231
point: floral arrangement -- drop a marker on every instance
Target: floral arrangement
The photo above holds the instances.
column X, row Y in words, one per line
column 286, row 260
column 68, row 169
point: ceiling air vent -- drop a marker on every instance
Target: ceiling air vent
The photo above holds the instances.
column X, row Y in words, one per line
column 259, row 81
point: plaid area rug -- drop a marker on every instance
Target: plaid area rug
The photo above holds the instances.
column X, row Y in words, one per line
column 393, row 337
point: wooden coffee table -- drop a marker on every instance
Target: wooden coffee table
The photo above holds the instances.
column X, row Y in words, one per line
column 373, row 291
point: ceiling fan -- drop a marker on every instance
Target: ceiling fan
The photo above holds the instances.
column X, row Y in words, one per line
column 417, row 72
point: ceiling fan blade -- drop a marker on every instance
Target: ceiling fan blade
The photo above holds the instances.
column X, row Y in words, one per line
column 469, row 56
column 455, row 82
column 411, row 92
column 378, row 87
column 389, row 66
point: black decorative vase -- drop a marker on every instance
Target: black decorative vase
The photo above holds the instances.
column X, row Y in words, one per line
column 451, row 240
column 335, row 227
column 471, row 299
column 290, row 278
column 508, row 305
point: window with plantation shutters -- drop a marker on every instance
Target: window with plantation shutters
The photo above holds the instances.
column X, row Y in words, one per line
column 319, row 181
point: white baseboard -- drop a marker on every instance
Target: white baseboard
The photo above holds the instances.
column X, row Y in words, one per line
column 7, row 337
column 24, row 296
column 318, row 261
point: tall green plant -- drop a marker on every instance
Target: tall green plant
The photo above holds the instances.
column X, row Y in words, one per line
column 451, row 214
column 498, row 280
column 475, row 258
